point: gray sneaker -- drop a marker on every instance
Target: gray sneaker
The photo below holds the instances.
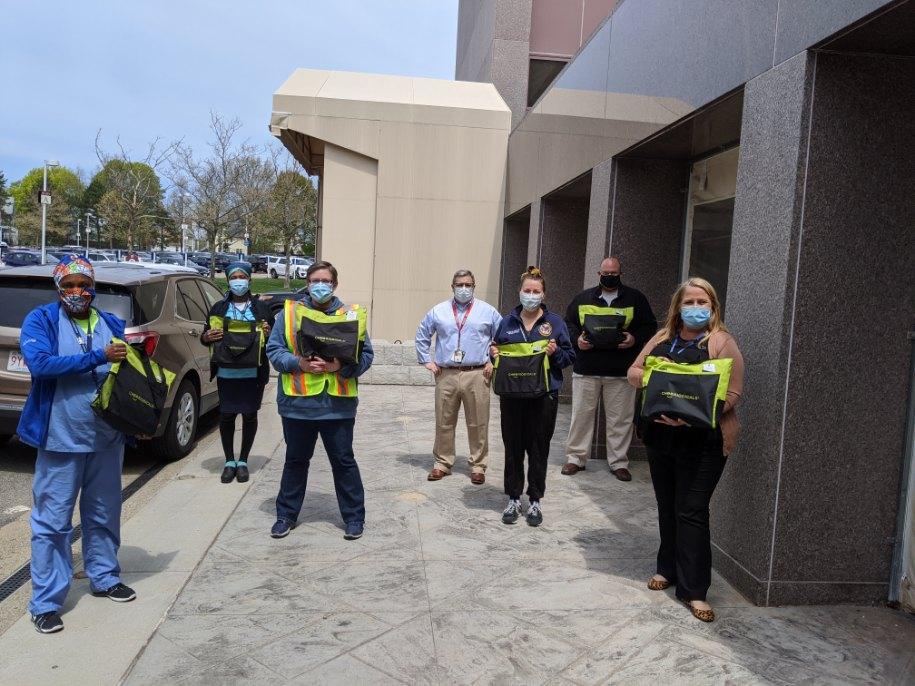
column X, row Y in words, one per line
column 534, row 514
column 511, row 513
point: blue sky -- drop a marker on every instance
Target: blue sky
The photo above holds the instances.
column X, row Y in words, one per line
column 142, row 69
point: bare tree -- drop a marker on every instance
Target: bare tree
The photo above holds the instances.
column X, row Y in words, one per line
column 227, row 185
column 289, row 216
column 128, row 191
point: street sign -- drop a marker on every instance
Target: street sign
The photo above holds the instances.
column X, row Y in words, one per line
column 45, row 197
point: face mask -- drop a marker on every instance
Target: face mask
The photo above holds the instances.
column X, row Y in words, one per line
column 320, row 292
column 695, row 317
column 238, row 286
column 76, row 300
column 463, row 294
column 531, row 301
column 610, row 281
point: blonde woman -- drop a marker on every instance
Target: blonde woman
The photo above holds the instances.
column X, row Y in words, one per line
column 686, row 462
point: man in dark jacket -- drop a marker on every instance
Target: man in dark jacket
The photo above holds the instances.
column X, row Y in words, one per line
column 609, row 325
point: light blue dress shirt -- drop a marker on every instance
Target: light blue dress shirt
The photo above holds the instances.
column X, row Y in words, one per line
column 475, row 336
column 243, row 315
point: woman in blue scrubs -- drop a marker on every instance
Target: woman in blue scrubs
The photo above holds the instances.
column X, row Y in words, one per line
column 67, row 347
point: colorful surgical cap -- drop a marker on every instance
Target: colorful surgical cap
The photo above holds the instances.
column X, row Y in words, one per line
column 73, row 264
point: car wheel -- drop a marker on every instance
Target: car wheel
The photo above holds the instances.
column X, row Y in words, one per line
column 181, row 426
column 273, row 273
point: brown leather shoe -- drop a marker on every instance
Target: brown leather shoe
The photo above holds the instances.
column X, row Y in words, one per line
column 477, row 478
column 622, row 474
column 570, row 468
column 436, row 475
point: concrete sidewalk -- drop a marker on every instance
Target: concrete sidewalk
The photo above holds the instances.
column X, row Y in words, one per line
column 438, row 591
column 160, row 547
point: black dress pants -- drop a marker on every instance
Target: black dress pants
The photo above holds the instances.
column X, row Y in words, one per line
column 527, row 427
column 686, row 465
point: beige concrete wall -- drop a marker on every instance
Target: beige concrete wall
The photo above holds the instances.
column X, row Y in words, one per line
column 413, row 185
column 348, row 188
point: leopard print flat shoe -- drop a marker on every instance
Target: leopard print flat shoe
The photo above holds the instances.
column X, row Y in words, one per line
column 702, row 615
column 658, row 584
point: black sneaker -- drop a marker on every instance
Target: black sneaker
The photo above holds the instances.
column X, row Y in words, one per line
column 241, row 472
column 353, row 531
column 48, row 623
column 534, row 514
column 119, row 593
column 281, row 529
column 228, row 474
column 511, row 513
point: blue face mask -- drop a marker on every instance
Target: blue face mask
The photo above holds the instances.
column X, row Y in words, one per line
column 320, row 292
column 695, row 317
column 238, row 286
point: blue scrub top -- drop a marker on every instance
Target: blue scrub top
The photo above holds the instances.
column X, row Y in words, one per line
column 73, row 426
column 243, row 315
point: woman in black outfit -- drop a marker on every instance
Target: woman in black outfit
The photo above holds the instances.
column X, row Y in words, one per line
column 240, row 390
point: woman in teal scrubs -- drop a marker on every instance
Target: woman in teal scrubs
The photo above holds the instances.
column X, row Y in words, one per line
column 68, row 348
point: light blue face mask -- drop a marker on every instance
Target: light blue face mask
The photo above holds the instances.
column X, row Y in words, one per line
column 320, row 292
column 238, row 286
column 463, row 294
column 531, row 301
column 695, row 317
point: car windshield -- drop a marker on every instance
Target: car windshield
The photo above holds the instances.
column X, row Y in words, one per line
column 21, row 296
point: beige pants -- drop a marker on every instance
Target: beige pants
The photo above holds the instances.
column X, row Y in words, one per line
column 619, row 404
column 452, row 388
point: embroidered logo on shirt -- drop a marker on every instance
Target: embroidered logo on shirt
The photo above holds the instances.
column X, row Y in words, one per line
column 512, row 332
column 545, row 329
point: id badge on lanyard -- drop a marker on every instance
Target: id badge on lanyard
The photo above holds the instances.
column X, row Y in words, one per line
column 458, row 356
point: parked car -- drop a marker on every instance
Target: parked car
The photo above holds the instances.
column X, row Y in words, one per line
column 22, row 258
column 201, row 258
column 165, row 310
column 178, row 259
column 258, row 263
column 223, row 260
column 298, row 266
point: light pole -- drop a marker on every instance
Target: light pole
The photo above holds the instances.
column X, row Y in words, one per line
column 183, row 229
column 45, row 201
column 88, row 230
column 77, row 231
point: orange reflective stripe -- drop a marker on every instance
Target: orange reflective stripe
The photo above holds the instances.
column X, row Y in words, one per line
column 343, row 384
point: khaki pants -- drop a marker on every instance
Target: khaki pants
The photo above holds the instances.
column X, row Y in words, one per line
column 452, row 388
column 619, row 404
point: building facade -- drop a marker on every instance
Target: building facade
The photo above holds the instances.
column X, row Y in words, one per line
column 769, row 146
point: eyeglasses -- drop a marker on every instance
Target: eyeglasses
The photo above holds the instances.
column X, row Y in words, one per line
column 603, row 273
column 462, row 285
column 329, row 282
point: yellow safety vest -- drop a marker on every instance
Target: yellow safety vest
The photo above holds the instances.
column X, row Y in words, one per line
column 304, row 383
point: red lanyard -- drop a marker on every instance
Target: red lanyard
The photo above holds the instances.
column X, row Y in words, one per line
column 460, row 325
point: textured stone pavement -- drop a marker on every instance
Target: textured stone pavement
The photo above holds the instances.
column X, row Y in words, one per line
column 439, row 591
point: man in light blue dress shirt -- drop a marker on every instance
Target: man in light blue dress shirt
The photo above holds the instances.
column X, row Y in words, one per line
column 463, row 327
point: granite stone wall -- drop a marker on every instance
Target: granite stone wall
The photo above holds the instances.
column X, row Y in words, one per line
column 820, row 299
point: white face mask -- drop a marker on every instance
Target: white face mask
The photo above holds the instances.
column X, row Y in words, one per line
column 463, row 294
column 530, row 301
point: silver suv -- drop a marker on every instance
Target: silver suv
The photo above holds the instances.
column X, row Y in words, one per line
column 165, row 311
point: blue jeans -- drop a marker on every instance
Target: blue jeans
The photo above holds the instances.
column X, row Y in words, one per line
column 301, row 435
column 59, row 478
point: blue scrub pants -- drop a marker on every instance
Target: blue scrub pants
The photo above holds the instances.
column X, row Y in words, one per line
column 59, row 477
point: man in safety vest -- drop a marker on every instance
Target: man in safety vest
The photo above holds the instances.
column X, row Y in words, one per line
column 317, row 396
column 608, row 325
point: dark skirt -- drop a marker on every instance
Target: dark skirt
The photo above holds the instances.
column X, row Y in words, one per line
column 239, row 396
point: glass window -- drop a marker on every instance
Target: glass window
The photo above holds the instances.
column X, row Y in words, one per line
column 540, row 74
column 212, row 294
column 709, row 220
column 149, row 298
column 21, row 296
column 189, row 302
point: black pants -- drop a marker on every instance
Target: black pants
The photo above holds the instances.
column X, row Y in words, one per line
column 684, row 474
column 227, row 434
column 527, row 427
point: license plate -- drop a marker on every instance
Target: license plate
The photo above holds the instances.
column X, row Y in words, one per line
column 16, row 363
